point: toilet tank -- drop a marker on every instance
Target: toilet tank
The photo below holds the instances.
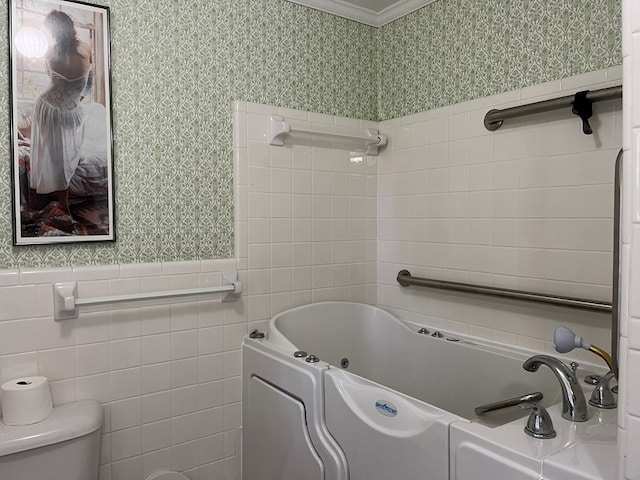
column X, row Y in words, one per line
column 65, row 445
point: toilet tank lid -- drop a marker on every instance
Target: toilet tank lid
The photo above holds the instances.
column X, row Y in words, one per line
column 65, row 422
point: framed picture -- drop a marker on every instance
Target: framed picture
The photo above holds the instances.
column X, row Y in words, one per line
column 61, row 133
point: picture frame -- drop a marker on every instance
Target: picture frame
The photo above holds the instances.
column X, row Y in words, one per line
column 61, row 122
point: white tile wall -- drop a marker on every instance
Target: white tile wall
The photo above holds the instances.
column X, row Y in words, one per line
column 447, row 198
column 529, row 207
column 167, row 374
column 629, row 408
column 306, row 212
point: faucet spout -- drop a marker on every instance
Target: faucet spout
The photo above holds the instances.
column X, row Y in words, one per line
column 574, row 405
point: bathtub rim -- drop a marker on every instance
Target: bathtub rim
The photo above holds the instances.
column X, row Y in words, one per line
column 279, row 340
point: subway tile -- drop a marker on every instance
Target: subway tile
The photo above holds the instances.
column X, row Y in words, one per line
column 156, row 406
column 95, row 272
column 185, row 400
column 17, row 302
column 9, row 278
column 633, row 387
column 123, row 286
column 184, row 456
column 126, row 443
column 19, row 336
column 233, row 312
column 632, row 465
column 45, row 275
column 155, row 378
column 126, row 414
column 126, row 383
column 156, row 435
column 63, row 391
column 218, row 265
column 211, row 448
column 92, row 358
column 184, row 344
column 124, row 323
column 184, row 372
column 124, row 353
column 57, row 364
column 184, row 428
column 184, row 316
column 211, row 394
column 95, row 387
column 585, row 80
column 155, row 348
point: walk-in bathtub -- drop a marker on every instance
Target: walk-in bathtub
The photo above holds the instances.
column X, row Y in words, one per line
column 340, row 391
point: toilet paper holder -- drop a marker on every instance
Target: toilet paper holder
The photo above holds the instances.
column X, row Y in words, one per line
column 66, row 301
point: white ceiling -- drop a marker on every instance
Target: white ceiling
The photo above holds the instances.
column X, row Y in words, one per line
column 371, row 12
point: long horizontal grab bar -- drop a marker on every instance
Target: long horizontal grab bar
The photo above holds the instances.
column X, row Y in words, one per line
column 508, row 403
column 279, row 127
column 130, row 297
column 372, row 138
column 494, row 119
column 405, row 279
column 66, row 302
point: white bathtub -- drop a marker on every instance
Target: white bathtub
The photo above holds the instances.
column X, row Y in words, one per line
column 387, row 415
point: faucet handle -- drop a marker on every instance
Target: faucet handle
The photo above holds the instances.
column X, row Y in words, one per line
column 539, row 424
column 602, row 397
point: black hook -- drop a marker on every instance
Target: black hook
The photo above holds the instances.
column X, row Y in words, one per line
column 583, row 107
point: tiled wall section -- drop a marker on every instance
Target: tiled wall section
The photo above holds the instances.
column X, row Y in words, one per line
column 629, row 397
column 167, row 373
column 306, row 212
column 529, row 207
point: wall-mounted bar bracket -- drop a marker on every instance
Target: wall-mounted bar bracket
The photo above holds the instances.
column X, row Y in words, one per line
column 370, row 141
column 66, row 302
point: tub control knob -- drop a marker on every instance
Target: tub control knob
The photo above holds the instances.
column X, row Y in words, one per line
column 539, row 424
column 423, row 331
column 256, row 334
column 437, row 334
column 312, row 359
column 300, row 354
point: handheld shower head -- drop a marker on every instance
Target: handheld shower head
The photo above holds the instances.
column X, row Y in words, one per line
column 565, row 340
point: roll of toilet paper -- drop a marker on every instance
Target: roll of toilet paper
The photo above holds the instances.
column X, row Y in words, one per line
column 25, row 400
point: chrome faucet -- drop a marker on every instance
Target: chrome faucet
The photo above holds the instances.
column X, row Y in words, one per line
column 574, row 405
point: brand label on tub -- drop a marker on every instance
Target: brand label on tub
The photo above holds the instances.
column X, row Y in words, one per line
column 385, row 408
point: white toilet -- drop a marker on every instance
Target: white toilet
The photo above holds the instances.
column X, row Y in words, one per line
column 65, row 445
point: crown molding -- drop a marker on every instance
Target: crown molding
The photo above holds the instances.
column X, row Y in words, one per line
column 367, row 16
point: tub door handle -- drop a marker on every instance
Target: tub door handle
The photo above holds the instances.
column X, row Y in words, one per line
column 510, row 402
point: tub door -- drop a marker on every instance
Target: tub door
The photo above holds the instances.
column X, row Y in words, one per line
column 386, row 435
column 276, row 440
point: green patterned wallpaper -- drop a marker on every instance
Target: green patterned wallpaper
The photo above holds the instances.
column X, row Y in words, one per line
column 178, row 65
column 457, row 50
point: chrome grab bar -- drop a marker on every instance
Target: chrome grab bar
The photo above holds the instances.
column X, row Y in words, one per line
column 405, row 279
column 510, row 402
column 494, row 119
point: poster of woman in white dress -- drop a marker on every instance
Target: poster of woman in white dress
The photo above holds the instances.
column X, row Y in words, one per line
column 61, row 122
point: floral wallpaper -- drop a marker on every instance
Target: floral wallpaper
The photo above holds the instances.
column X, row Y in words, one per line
column 177, row 66
column 457, row 50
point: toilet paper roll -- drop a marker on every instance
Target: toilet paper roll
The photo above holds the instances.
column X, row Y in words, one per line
column 26, row 400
